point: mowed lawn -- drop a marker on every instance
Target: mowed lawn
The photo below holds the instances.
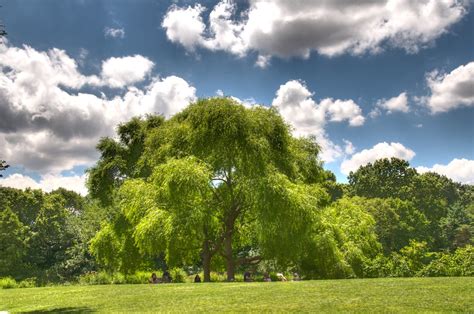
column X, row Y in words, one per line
column 367, row 295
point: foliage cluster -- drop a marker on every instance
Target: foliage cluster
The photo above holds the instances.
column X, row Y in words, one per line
column 45, row 235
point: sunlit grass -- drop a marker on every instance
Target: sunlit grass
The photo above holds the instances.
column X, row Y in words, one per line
column 393, row 295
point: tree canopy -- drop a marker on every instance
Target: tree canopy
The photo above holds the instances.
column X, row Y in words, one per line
column 223, row 176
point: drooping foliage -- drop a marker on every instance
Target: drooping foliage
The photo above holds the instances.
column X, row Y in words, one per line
column 120, row 159
column 218, row 170
column 343, row 240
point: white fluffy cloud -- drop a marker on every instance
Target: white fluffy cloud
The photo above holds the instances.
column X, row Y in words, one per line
column 349, row 148
column 125, row 71
column 47, row 182
column 114, row 32
column 459, row 170
column 294, row 102
column 47, row 128
column 452, row 90
column 296, row 28
column 395, row 104
column 185, row 26
column 381, row 150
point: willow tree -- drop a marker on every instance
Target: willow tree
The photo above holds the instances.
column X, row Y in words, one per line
column 224, row 177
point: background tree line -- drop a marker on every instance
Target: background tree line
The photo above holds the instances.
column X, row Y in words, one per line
column 221, row 187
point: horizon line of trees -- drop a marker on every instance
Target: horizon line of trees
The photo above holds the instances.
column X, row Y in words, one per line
column 221, row 187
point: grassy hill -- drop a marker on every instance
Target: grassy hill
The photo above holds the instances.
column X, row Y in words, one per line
column 392, row 295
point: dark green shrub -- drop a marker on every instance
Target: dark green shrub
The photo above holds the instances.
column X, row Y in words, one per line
column 459, row 263
column 96, row 278
column 140, row 277
column 27, row 283
column 8, row 283
column 178, row 275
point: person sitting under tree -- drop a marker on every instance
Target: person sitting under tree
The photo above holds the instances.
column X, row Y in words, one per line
column 167, row 277
column 248, row 276
column 154, row 278
column 266, row 277
column 197, row 278
column 281, row 277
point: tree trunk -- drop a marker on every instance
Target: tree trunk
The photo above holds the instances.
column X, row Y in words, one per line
column 206, row 261
column 229, row 257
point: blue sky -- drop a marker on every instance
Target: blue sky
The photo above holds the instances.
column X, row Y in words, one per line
column 337, row 77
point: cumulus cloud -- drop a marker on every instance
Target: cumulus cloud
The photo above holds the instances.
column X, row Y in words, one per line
column 343, row 110
column 47, row 183
column 349, row 148
column 120, row 72
column 308, row 118
column 381, row 150
column 114, row 32
column 262, row 61
column 296, row 28
column 185, row 26
column 452, row 90
column 48, row 125
column 459, row 170
column 395, row 104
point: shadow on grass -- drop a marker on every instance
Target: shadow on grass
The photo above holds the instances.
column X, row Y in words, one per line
column 70, row 310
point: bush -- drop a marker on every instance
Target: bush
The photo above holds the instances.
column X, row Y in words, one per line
column 459, row 263
column 96, row 278
column 140, row 277
column 238, row 277
column 118, row 279
column 27, row 283
column 273, row 276
column 104, row 278
column 8, row 283
column 218, row 277
column 178, row 275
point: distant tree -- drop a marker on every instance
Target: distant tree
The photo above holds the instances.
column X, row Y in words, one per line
column 396, row 222
column 74, row 202
column 383, row 178
column 13, row 244
column 51, row 234
column 456, row 227
column 3, row 166
column 46, row 235
column 432, row 194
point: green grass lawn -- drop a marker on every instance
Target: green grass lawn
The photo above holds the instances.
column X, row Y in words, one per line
column 367, row 295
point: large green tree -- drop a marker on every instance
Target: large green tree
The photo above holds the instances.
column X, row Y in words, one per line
column 444, row 203
column 13, row 244
column 396, row 221
column 223, row 177
column 383, row 178
column 45, row 235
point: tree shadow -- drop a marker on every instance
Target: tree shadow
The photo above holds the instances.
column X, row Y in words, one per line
column 69, row 310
